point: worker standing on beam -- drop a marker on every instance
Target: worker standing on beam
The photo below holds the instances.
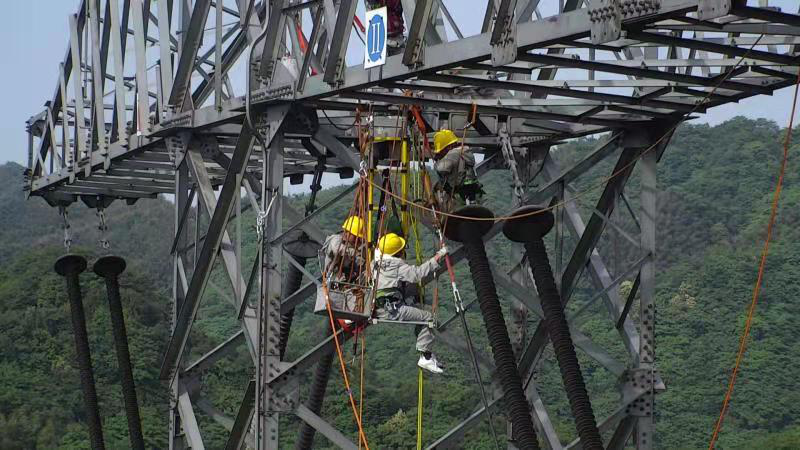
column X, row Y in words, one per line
column 396, row 281
column 341, row 260
column 395, row 40
column 458, row 183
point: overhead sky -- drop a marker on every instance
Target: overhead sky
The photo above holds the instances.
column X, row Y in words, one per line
column 35, row 33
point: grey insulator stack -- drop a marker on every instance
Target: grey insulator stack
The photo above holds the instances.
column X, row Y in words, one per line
column 109, row 268
column 532, row 224
column 470, row 233
column 70, row 267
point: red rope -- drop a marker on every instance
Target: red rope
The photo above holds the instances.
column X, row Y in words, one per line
column 757, row 288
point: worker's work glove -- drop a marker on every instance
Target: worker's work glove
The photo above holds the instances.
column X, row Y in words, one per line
column 442, row 251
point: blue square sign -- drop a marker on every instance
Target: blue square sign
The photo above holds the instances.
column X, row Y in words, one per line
column 375, row 48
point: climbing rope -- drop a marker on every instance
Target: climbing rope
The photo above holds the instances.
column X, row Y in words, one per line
column 362, row 437
column 362, row 207
column 369, row 183
column 762, row 264
column 361, row 388
column 419, row 253
column 337, row 266
column 459, row 305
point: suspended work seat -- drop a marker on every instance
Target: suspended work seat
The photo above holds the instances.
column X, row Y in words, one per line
column 404, row 322
column 349, row 301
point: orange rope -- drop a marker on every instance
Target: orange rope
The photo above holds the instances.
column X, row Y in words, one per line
column 757, row 288
column 361, row 435
column 474, row 114
column 357, row 413
column 361, row 381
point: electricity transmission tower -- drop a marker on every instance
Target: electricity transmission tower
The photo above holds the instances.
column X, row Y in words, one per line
column 205, row 100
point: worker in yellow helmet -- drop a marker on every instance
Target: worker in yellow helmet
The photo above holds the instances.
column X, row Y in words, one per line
column 341, row 258
column 455, row 166
column 395, row 282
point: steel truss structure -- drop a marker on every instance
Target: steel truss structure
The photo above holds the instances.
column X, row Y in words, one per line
column 148, row 102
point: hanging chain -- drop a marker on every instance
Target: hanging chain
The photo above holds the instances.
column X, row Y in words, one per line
column 511, row 162
column 103, row 227
column 66, row 226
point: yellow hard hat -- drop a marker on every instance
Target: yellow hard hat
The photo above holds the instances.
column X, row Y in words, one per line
column 442, row 139
column 391, row 244
column 354, row 225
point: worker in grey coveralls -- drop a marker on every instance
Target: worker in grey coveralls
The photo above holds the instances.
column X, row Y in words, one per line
column 395, row 281
column 455, row 166
column 341, row 261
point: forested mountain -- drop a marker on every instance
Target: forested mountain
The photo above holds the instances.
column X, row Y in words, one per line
column 716, row 190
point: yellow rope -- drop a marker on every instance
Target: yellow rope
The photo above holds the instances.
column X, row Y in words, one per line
column 419, row 408
column 418, row 251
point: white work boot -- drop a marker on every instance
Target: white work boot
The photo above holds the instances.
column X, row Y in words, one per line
column 431, row 365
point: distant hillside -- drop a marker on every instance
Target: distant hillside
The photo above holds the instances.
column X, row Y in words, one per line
column 716, row 185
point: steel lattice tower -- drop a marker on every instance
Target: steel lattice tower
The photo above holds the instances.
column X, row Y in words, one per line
column 146, row 104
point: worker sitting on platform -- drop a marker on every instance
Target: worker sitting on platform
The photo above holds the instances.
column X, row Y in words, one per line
column 395, row 42
column 396, row 281
column 455, row 165
column 342, row 261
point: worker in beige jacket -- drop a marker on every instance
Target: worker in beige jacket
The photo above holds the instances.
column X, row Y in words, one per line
column 395, row 281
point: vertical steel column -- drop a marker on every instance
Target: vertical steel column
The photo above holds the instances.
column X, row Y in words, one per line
column 529, row 228
column 119, row 37
column 75, row 30
column 98, row 81
column 469, row 228
column 218, row 56
column 109, row 268
column 164, row 45
column 645, row 422
column 69, row 153
column 269, row 358
column 141, row 113
column 70, row 267
column 178, row 290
